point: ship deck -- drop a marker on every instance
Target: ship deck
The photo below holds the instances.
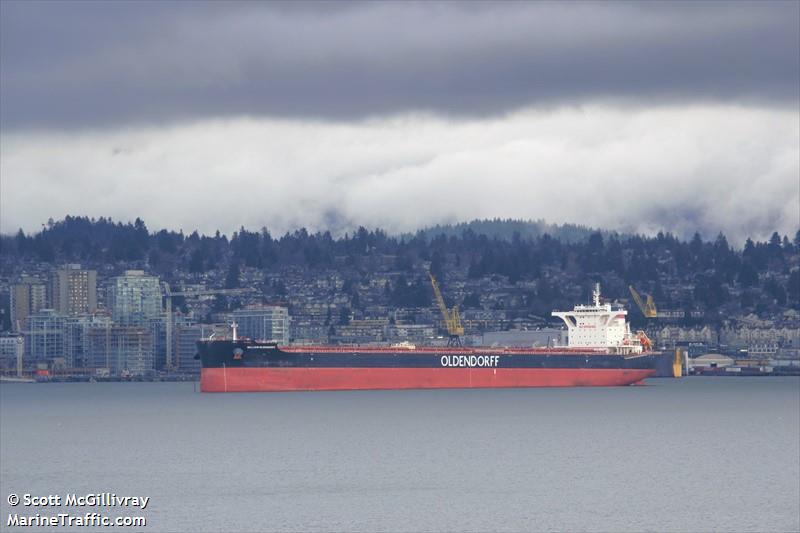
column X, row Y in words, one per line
column 477, row 350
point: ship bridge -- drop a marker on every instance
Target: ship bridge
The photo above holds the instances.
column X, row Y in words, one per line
column 599, row 326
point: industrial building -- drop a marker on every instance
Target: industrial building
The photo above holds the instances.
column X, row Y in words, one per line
column 525, row 338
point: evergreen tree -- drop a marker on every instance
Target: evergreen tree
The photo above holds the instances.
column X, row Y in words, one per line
column 232, row 278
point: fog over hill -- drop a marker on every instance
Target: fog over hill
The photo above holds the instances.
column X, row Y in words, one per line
column 101, row 233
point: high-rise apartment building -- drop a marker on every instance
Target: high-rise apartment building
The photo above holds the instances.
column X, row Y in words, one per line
column 134, row 298
column 132, row 350
column 120, row 349
column 76, row 338
column 28, row 296
column 44, row 335
column 185, row 339
column 74, row 290
column 267, row 323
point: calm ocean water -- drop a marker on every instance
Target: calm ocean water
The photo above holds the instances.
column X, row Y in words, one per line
column 695, row 454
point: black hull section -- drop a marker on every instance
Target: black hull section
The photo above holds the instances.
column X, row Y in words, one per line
column 246, row 354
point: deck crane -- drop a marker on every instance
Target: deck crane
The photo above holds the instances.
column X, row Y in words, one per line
column 452, row 320
column 168, row 294
column 648, row 308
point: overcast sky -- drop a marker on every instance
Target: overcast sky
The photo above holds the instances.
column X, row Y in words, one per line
column 680, row 116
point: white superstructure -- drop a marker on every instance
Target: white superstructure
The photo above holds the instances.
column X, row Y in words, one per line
column 600, row 326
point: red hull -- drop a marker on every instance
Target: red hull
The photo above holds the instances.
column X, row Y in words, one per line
column 296, row 379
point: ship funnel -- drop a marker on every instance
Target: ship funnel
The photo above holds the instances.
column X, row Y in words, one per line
column 596, row 294
column 234, row 325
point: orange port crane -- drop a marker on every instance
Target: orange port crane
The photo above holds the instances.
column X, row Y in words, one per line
column 648, row 308
column 452, row 320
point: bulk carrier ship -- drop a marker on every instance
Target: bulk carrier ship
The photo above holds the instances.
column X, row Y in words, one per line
column 601, row 351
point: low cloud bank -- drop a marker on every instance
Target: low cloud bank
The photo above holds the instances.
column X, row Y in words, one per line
column 706, row 168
